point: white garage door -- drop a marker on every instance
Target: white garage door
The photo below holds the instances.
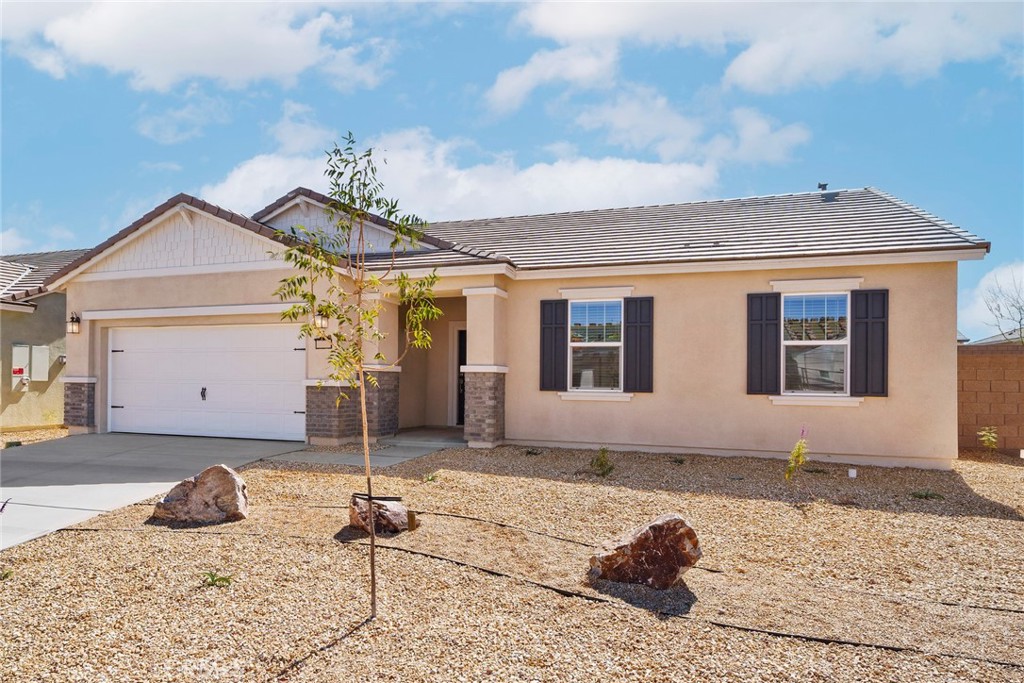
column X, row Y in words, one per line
column 231, row 380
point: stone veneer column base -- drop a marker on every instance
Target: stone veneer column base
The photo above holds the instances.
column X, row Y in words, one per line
column 485, row 409
column 330, row 422
column 80, row 407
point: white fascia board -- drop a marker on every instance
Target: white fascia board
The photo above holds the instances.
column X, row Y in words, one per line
column 943, row 256
column 186, row 311
column 455, row 271
column 13, row 307
column 284, row 207
column 500, row 369
column 831, row 284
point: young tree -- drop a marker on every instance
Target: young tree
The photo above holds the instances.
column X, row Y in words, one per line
column 1006, row 304
column 339, row 287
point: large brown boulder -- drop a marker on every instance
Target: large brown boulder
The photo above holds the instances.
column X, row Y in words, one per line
column 656, row 554
column 390, row 516
column 217, row 494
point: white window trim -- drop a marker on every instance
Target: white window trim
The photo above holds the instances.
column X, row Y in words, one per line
column 596, row 293
column 620, row 345
column 826, row 400
column 595, row 395
column 783, row 343
column 820, row 286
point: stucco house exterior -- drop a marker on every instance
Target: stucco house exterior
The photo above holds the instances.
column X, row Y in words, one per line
column 721, row 327
column 32, row 326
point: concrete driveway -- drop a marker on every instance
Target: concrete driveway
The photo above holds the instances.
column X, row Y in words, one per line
column 54, row 484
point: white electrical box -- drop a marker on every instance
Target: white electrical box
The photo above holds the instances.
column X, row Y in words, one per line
column 21, row 358
column 39, row 368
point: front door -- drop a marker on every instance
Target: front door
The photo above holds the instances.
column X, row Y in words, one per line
column 460, row 415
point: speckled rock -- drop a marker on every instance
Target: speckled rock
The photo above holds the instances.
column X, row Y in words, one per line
column 656, row 554
column 217, row 494
column 390, row 516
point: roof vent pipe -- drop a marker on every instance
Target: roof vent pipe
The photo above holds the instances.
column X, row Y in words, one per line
column 822, row 186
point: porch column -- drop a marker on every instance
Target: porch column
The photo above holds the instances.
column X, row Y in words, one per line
column 330, row 422
column 485, row 367
column 79, row 380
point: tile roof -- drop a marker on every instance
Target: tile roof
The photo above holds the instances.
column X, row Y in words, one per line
column 860, row 221
column 23, row 275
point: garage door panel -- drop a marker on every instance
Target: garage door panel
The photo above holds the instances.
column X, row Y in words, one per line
column 252, row 374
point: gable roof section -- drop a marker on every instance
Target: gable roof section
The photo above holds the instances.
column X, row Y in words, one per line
column 845, row 222
column 275, row 207
column 22, row 275
column 178, row 199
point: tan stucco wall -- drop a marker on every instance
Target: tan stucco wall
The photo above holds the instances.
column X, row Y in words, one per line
column 423, row 390
column 42, row 403
column 700, row 402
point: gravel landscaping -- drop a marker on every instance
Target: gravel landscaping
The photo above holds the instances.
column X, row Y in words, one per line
column 27, row 436
column 897, row 575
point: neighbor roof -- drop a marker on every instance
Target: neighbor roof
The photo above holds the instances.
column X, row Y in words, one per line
column 861, row 221
column 1013, row 336
column 23, row 275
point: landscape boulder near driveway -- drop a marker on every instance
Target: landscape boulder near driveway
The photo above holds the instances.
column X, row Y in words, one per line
column 656, row 554
column 217, row 494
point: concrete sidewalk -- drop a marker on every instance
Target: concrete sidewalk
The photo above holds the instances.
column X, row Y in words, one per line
column 389, row 451
column 54, row 484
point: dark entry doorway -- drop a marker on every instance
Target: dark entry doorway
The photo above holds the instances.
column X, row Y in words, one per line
column 460, row 415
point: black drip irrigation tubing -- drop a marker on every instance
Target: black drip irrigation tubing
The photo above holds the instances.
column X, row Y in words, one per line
column 584, row 596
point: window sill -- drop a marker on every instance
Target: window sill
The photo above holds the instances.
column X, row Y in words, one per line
column 829, row 401
column 594, row 396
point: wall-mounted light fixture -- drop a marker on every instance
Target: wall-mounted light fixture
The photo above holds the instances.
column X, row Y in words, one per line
column 62, row 359
column 320, row 321
column 74, row 324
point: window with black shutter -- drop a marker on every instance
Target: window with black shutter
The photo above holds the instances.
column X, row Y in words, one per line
column 554, row 344
column 763, row 339
column 869, row 345
column 639, row 345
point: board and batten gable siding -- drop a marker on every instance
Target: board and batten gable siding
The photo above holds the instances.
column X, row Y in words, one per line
column 700, row 401
column 180, row 242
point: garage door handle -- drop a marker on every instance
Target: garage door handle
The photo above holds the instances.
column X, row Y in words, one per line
column 203, row 393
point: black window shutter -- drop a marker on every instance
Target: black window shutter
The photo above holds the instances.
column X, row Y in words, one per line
column 638, row 345
column 764, row 338
column 554, row 345
column 869, row 342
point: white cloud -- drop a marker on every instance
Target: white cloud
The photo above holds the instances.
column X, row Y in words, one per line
column 425, row 175
column 640, row 118
column 298, row 131
column 359, row 66
column 973, row 316
column 164, row 166
column 30, row 240
column 757, row 139
column 791, row 45
column 160, row 44
column 577, row 65
column 13, row 242
column 176, row 125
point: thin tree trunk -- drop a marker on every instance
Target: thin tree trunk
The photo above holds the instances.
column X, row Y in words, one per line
column 369, row 496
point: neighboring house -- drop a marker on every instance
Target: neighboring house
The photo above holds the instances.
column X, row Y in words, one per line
column 32, row 327
column 1008, row 337
column 721, row 327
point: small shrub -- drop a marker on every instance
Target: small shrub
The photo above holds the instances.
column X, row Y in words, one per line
column 797, row 456
column 533, row 451
column 6, row 573
column 679, row 461
column 989, row 438
column 601, row 464
column 11, row 444
column 215, row 580
column 430, row 477
column 927, row 494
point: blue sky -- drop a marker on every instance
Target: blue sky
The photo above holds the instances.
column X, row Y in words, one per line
column 483, row 109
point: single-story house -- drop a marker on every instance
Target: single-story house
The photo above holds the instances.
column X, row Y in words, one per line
column 32, row 325
column 721, row 327
column 1009, row 337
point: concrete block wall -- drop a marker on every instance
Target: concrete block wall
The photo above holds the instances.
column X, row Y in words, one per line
column 990, row 392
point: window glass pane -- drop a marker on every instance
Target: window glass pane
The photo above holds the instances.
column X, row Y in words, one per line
column 814, row 317
column 816, row 368
column 595, row 367
column 595, row 321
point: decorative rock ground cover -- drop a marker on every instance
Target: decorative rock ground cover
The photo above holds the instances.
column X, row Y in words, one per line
column 938, row 580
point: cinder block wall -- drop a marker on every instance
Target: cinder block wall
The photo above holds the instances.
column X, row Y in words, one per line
column 990, row 385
